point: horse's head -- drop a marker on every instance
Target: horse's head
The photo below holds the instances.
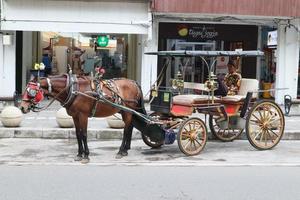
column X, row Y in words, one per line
column 31, row 97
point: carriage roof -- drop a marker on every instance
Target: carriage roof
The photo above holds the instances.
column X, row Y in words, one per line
column 186, row 53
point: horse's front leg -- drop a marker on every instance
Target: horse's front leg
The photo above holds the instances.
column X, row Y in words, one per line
column 81, row 123
column 127, row 133
column 79, row 156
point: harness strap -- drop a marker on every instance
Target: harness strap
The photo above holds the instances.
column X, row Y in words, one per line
column 94, row 109
column 72, row 80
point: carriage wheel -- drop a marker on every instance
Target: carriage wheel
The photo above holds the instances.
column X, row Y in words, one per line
column 192, row 136
column 225, row 135
column 150, row 143
column 147, row 139
column 265, row 125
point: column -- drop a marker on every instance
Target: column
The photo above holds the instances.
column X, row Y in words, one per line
column 287, row 61
column 7, row 65
column 148, row 70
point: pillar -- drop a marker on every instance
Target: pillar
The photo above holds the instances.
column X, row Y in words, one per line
column 287, row 61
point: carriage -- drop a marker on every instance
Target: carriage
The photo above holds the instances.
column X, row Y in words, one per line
column 172, row 111
column 228, row 117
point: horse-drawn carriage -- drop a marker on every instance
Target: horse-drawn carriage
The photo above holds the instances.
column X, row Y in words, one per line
column 263, row 120
column 172, row 111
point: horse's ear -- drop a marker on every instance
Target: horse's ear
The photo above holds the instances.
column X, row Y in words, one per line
column 34, row 79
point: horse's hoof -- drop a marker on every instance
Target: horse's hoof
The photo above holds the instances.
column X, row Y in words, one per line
column 121, row 155
column 85, row 160
column 78, row 158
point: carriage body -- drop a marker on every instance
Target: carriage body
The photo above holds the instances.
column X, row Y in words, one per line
column 262, row 120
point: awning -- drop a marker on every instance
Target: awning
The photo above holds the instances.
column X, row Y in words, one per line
column 130, row 17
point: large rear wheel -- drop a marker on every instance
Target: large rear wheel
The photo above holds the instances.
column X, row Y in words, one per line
column 265, row 125
column 192, row 136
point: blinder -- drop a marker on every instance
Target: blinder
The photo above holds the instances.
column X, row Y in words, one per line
column 33, row 93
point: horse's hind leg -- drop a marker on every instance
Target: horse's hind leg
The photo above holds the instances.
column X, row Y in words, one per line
column 126, row 135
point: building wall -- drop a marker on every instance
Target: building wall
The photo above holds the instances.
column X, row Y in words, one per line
column 7, row 67
column 76, row 16
column 230, row 7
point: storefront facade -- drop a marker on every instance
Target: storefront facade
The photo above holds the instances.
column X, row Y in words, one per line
column 127, row 25
column 253, row 21
column 207, row 37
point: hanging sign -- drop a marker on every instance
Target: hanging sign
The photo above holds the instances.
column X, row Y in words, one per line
column 102, row 41
column 272, row 38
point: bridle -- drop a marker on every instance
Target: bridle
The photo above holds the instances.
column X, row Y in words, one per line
column 31, row 96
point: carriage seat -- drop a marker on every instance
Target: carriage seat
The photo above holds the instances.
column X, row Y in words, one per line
column 183, row 105
column 247, row 85
column 192, row 99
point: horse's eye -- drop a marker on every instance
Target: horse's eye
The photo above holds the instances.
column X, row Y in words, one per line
column 31, row 92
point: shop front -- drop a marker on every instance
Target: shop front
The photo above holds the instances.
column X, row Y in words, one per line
column 207, row 37
column 71, row 34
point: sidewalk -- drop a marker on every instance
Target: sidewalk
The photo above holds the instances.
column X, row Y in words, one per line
column 44, row 125
column 20, row 151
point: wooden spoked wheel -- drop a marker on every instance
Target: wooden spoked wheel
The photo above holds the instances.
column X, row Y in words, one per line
column 150, row 143
column 265, row 125
column 225, row 135
column 192, row 136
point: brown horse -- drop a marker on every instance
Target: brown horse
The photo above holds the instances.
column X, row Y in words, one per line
column 77, row 96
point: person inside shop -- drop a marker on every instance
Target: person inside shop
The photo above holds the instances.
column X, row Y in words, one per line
column 46, row 60
column 231, row 83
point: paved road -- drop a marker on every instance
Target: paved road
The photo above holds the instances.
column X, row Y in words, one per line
column 148, row 182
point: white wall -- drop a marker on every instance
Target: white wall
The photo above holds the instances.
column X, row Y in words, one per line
column 76, row 16
column 7, row 67
column 287, row 62
column 148, row 69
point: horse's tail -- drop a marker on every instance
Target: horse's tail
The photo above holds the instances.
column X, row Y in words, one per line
column 141, row 103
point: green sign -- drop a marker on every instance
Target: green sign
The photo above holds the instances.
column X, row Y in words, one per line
column 102, row 41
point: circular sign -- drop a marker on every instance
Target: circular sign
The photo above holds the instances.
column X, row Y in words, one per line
column 102, row 41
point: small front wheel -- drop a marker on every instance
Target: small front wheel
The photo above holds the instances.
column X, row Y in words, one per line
column 150, row 143
column 192, row 136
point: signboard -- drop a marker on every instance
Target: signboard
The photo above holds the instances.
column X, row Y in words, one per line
column 102, row 41
column 272, row 38
column 197, row 32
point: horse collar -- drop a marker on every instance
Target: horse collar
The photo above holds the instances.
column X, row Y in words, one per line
column 73, row 87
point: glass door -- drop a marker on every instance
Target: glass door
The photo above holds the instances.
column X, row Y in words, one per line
column 193, row 69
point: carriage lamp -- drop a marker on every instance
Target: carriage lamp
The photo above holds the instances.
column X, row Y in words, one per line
column 178, row 83
column 154, row 92
column 211, row 84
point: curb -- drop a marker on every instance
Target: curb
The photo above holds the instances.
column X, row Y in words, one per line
column 102, row 134
column 63, row 133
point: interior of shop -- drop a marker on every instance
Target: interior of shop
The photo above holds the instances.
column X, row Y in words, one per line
column 58, row 53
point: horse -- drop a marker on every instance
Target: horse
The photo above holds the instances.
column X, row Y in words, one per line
column 77, row 94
